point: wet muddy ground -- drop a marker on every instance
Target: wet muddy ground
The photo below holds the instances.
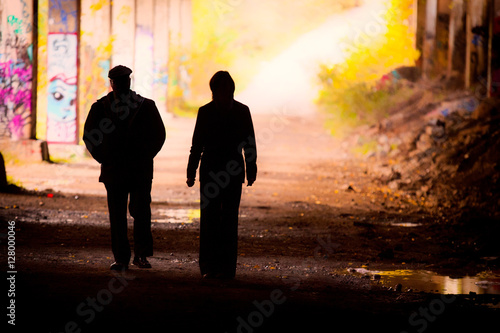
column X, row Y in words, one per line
column 322, row 247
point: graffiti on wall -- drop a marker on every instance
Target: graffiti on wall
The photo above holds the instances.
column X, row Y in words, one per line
column 15, row 99
column 143, row 77
column 16, row 56
column 94, row 83
column 95, row 55
column 63, row 15
column 62, row 87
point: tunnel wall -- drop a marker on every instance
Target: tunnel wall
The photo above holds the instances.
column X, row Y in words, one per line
column 55, row 56
column 16, row 69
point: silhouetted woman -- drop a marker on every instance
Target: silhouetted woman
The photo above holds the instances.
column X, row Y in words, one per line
column 222, row 132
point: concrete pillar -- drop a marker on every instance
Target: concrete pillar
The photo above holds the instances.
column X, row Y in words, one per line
column 16, row 69
column 160, row 54
column 174, row 90
column 95, row 54
column 429, row 43
column 180, row 33
column 186, row 23
column 468, row 41
column 456, row 13
column 143, row 62
column 62, row 72
column 491, row 23
column 413, row 22
column 123, row 33
column 42, row 80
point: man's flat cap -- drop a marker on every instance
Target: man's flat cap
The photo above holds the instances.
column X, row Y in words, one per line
column 119, row 71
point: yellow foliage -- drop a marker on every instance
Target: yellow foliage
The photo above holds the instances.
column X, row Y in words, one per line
column 348, row 91
column 239, row 36
column 368, row 62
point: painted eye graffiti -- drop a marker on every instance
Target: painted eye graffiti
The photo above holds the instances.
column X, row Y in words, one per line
column 57, row 96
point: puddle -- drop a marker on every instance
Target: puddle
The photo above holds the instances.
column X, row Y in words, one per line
column 176, row 215
column 405, row 224
column 386, row 223
column 427, row 281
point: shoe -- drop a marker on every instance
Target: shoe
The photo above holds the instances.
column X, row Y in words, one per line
column 116, row 266
column 141, row 262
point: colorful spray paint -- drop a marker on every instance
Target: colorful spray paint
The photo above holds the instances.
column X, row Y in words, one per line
column 16, row 70
column 62, row 88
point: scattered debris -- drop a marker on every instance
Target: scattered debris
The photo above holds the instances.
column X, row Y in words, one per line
column 444, row 154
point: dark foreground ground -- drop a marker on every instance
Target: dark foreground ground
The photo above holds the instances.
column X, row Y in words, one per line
column 292, row 276
column 305, row 225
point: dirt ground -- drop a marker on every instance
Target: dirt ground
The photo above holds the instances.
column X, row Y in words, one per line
column 315, row 212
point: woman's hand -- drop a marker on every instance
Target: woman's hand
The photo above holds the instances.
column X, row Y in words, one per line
column 190, row 182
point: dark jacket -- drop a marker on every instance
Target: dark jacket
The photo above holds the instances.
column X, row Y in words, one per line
column 124, row 136
column 219, row 138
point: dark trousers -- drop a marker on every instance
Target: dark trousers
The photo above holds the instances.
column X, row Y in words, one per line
column 140, row 210
column 219, row 227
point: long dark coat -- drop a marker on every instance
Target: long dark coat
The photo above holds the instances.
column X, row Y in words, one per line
column 219, row 138
column 124, row 135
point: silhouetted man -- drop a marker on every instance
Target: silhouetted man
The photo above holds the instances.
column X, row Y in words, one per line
column 223, row 130
column 124, row 132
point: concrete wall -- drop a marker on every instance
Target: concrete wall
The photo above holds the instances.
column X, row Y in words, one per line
column 70, row 46
column 55, row 56
column 123, row 32
column 160, row 54
column 453, row 37
column 16, row 69
column 62, row 72
column 179, row 39
column 41, row 69
column 143, row 60
column 95, row 54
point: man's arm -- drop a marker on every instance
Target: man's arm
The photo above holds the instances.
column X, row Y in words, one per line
column 157, row 130
column 95, row 128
